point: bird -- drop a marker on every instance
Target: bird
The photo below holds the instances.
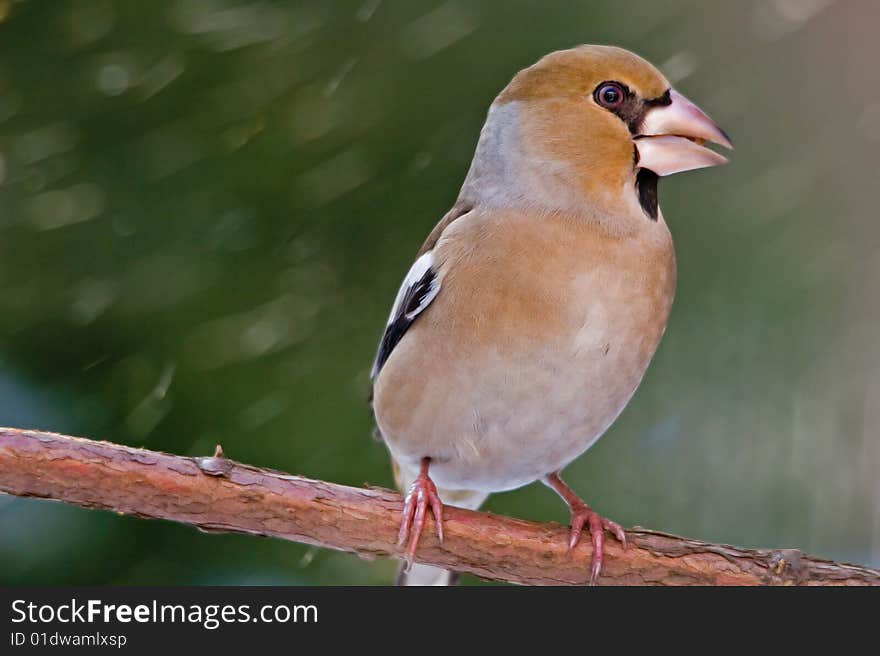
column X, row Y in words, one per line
column 534, row 307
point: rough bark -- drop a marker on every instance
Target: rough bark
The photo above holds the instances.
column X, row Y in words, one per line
column 217, row 494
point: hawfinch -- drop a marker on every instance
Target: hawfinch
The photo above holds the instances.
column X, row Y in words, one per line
column 533, row 308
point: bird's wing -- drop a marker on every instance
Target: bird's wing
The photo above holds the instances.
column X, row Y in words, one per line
column 419, row 288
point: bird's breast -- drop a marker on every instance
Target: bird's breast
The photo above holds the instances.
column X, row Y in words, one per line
column 540, row 335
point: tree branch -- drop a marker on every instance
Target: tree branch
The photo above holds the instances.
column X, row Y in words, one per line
column 217, row 494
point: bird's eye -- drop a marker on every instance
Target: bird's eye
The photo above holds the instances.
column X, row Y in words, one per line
column 610, row 95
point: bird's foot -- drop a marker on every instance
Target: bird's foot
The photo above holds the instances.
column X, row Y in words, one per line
column 582, row 515
column 422, row 493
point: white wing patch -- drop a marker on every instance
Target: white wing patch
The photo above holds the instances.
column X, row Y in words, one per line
column 414, row 277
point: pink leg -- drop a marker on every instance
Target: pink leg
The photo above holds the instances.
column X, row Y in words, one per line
column 581, row 515
column 421, row 494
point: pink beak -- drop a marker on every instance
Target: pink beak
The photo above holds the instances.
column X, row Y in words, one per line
column 672, row 136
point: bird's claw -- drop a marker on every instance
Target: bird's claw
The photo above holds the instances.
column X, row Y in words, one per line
column 421, row 495
column 582, row 515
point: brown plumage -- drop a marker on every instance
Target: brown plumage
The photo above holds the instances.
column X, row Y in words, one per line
column 538, row 301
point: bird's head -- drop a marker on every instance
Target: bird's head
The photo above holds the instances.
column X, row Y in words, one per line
column 596, row 121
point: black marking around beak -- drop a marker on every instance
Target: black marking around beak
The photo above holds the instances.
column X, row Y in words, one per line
column 645, row 106
column 633, row 109
column 646, row 185
column 647, row 181
column 662, row 101
column 632, row 112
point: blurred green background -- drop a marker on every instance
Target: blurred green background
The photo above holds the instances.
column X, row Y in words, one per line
column 206, row 208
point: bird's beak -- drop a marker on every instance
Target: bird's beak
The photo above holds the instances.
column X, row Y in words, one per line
column 672, row 136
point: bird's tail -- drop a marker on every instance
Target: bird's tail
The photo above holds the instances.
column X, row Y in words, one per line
column 420, row 574
column 427, row 574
